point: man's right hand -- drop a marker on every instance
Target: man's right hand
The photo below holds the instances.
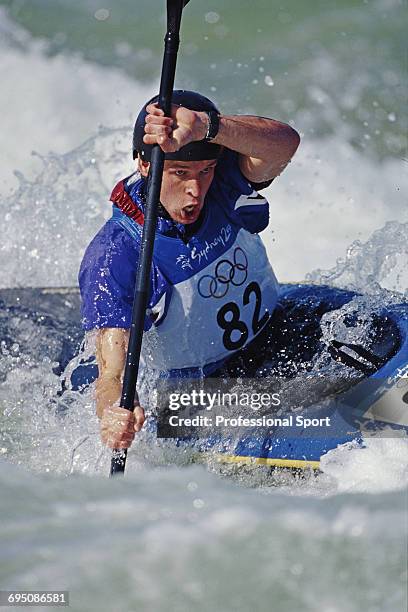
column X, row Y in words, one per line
column 118, row 426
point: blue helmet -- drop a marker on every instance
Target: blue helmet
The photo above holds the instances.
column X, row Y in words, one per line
column 194, row 151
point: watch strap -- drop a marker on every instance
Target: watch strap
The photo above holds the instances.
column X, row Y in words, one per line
column 213, row 125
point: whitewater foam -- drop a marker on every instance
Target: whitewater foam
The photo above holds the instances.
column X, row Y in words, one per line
column 55, row 102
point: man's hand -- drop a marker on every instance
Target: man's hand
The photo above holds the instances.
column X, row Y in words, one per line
column 118, row 426
column 172, row 133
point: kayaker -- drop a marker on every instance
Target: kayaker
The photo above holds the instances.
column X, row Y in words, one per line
column 213, row 289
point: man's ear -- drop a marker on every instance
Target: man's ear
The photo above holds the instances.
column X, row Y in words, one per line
column 143, row 166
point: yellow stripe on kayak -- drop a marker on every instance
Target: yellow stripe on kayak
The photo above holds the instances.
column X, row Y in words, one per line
column 282, row 463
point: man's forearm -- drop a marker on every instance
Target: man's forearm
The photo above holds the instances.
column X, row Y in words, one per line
column 266, row 146
column 256, row 136
column 118, row 425
column 111, row 347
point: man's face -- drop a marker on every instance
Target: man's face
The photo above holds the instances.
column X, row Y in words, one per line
column 184, row 187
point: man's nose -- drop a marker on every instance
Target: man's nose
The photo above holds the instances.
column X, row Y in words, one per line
column 193, row 188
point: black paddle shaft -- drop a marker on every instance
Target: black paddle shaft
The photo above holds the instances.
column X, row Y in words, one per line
column 142, row 286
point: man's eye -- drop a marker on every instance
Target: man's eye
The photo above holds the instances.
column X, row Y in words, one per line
column 180, row 172
column 205, row 171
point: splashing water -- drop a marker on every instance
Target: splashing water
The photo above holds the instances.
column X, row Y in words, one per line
column 369, row 267
column 52, row 218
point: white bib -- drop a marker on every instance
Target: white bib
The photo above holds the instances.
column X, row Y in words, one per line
column 215, row 312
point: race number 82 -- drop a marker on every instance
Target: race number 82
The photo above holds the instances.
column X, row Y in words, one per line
column 234, row 324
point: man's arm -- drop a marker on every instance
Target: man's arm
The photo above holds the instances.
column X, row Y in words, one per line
column 266, row 146
column 111, row 346
column 118, row 425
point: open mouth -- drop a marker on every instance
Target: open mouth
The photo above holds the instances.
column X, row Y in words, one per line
column 189, row 209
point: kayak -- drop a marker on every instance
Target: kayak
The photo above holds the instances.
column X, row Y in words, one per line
column 336, row 390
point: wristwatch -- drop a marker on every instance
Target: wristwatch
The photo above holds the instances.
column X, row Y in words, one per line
column 213, row 125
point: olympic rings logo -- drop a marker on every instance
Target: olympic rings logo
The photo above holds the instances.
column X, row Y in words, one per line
column 226, row 272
